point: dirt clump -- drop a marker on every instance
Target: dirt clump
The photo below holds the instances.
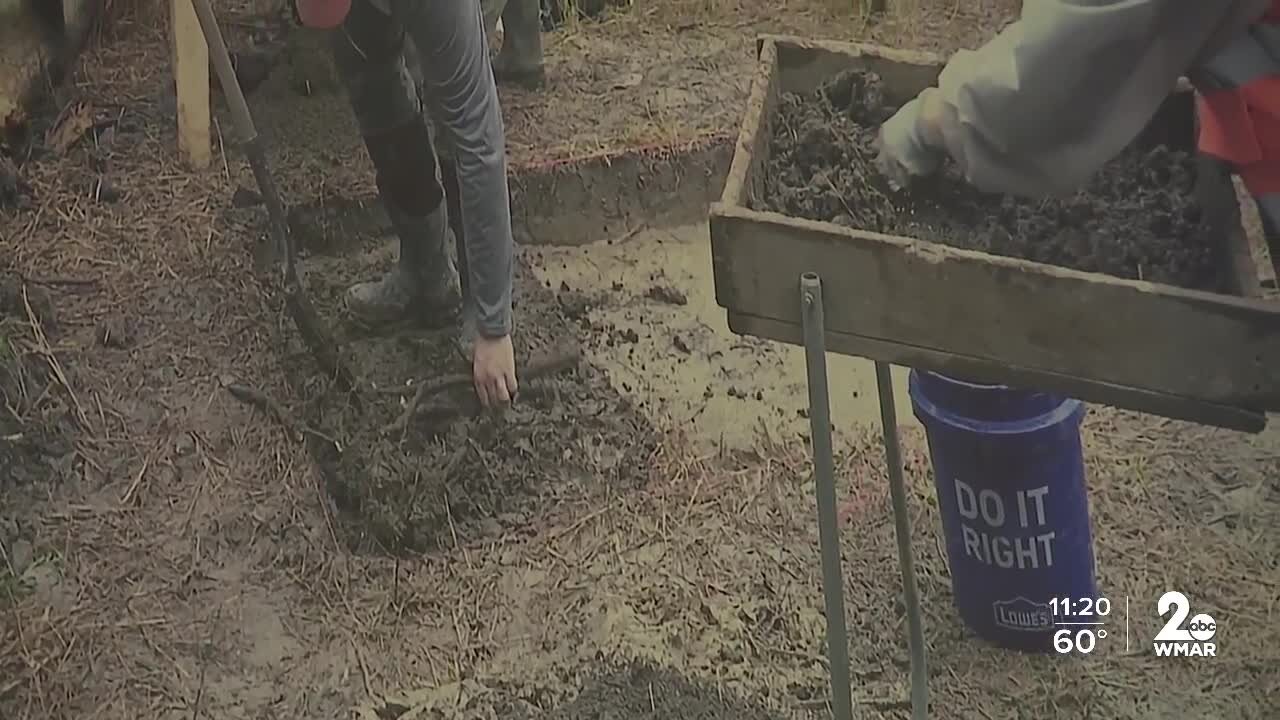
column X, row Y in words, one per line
column 1135, row 219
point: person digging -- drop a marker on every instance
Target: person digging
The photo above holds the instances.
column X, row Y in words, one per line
column 1062, row 91
column 425, row 286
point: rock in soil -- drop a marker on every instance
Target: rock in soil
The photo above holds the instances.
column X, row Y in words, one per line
column 1136, row 218
column 668, row 295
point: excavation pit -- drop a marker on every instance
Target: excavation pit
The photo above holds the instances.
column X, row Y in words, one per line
column 449, row 473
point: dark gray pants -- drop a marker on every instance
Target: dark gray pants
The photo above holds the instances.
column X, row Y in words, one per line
column 461, row 112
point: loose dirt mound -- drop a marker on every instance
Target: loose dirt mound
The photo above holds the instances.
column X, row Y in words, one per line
column 1135, row 219
column 453, row 474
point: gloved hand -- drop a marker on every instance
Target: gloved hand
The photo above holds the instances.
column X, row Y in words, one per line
column 910, row 142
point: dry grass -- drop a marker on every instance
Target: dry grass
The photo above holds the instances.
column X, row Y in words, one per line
column 713, row 571
column 187, row 565
column 124, row 524
column 663, row 72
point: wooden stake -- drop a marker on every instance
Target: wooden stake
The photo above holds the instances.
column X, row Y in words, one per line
column 191, row 76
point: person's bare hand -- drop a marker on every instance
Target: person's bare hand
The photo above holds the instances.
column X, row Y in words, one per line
column 493, row 368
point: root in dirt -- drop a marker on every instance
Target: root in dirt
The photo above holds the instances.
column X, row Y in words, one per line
column 539, row 367
column 1135, row 219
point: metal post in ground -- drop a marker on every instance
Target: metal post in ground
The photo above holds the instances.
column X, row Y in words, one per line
column 902, row 526
column 815, row 351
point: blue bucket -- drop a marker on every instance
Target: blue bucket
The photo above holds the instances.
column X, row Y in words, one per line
column 1009, row 470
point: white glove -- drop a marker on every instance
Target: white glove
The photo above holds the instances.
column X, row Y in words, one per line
column 905, row 149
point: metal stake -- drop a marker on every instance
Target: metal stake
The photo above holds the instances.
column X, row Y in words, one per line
column 815, row 351
column 902, row 527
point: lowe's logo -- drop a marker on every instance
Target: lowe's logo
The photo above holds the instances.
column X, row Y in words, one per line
column 1022, row 614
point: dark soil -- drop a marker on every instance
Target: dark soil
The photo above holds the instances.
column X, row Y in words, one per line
column 1136, row 219
column 554, row 13
column 36, row 447
column 454, row 474
column 641, row 691
column 33, row 412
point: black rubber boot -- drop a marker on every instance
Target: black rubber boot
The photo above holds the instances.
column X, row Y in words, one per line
column 423, row 288
column 520, row 60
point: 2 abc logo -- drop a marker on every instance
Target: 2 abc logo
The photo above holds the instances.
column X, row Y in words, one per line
column 1192, row 640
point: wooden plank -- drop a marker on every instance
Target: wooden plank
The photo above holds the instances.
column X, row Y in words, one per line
column 1240, row 271
column 751, row 137
column 981, row 370
column 1268, row 267
column 1006, row 312
column 191, row 78
column 804, row 64
column 1217, row 196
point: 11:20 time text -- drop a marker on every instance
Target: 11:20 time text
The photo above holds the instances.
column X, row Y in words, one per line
column 1082, row 607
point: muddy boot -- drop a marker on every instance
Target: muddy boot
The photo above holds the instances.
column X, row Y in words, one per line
column 423, row 288
column 520, row 60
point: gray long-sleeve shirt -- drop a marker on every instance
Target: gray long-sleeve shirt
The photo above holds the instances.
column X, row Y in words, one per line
column 461, row 93
column 1067, row 87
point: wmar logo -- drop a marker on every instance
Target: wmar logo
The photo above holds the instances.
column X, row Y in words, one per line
column 1022, row 614
column 1174, row 640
